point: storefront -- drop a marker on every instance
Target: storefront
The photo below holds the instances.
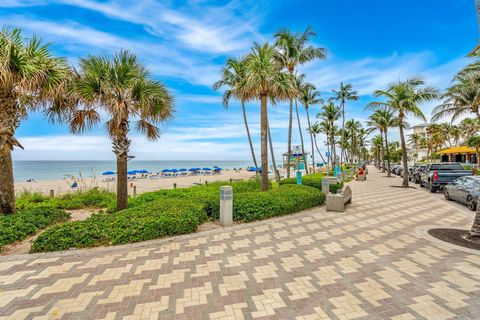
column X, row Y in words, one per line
column 458, row 154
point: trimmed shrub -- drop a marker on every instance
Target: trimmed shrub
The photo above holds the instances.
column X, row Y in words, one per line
column 281, row 201
column 20, row 225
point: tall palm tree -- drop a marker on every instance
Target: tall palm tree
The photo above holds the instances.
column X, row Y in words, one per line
column 300, row 85
column 345, row 93
column 315, row 130
column 352, row 126
column 293, row 50
column 123, row 89
column 469, row 126
column 31, row 79
column 460, row 99
column 272, row 153
column 308, row 97
column 264, row 81
column 383, row 119
column 233, row 77
column 378, row 148
column 329, row 115
column 403, row 98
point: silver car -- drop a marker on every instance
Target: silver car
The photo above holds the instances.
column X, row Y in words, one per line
column 464, row 190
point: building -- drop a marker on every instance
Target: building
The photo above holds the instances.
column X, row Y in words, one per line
column 414, row 152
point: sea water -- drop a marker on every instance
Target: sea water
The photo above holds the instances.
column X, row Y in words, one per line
column 54, row 170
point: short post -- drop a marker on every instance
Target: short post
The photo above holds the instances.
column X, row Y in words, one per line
column 325, row 186
column 134, row 191
column 226, row 206
column 175, row 185
column 230, row 180
column 52, row 193
column 206, row 182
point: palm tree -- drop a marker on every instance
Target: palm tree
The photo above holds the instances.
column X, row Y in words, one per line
column 31, row 79
column 293, row 50
column 403, row 98
column 474, row 142
column 384, row 119
column 233, row 77
column 345, row 93
column 460, row 99
column 414, row 139
column 123, row 89
column 315, row 130
column 329, row 115
column 264, row 81
column 469, row 126
column 378, row 148
column 272, row 153
column 300, row 85
column 308, row 97
column 352, row 126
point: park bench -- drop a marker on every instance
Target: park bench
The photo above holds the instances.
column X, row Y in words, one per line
column 337, row 202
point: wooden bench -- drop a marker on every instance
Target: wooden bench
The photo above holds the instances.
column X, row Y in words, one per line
column 336, row 202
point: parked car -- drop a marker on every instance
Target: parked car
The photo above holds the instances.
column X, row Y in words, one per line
column 464, row 190
column 416, row 173
column 411, row 170
column 437, row 175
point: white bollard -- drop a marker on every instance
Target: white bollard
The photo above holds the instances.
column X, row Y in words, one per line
column 325, row 186
column 226, row 206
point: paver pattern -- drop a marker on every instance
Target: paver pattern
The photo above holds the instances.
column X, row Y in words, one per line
column 366, row 263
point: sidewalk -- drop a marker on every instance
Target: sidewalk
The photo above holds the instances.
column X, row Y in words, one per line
column 367, row 263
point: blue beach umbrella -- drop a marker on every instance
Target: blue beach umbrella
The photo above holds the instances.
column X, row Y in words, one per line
column 182, row 170
column 207, row 169
column 107, row 173
column 217, row 169
column 173, row 170
column 132, row 172
column 142, row 171
column 166, row 170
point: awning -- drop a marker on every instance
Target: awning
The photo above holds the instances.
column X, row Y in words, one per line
column 455, row 150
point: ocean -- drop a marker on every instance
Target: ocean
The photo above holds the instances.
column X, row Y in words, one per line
column 54, row 170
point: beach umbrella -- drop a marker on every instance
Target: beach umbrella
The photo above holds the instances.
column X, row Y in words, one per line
column 132, row 172
column 207, row 169
column 107, row 173
column 182, row 170
column 192, row 169
column 173, row 170
column 142, row 171
column 166, row 170
column 217, row 169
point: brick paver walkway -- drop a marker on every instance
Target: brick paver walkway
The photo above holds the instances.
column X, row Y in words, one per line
column 367, row 263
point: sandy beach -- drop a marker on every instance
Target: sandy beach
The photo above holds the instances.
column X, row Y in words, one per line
column 142, row 184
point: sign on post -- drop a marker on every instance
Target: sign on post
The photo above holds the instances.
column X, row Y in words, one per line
column 299, row 178
column 226, row 206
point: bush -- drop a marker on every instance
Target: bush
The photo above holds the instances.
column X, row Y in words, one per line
column 313, row 180
column 93, row 198
column 144, row 222
column 281, row 201
column 20, row 225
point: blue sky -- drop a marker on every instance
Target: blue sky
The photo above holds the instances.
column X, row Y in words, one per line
column 185, row 43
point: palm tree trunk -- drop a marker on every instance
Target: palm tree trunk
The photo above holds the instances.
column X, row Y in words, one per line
column 301, row 137
column 7, row 190
column 343, row 132
column 318, row 150
column 353, row 149
column 264, row 136
column 277, row 174
column 404, row 154
column 311, row 137
column 383, row 159
column 249, row 137
column 121, row 146
column 474, row 234
column 290, row 127
column 389, row 171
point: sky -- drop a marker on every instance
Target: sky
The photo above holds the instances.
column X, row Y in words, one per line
column 185, row 44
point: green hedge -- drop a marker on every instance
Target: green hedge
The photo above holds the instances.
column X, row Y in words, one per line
column 20, row 225
column 281, row 201
column 144, row 222
column 313, row 180
column 93, row 198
